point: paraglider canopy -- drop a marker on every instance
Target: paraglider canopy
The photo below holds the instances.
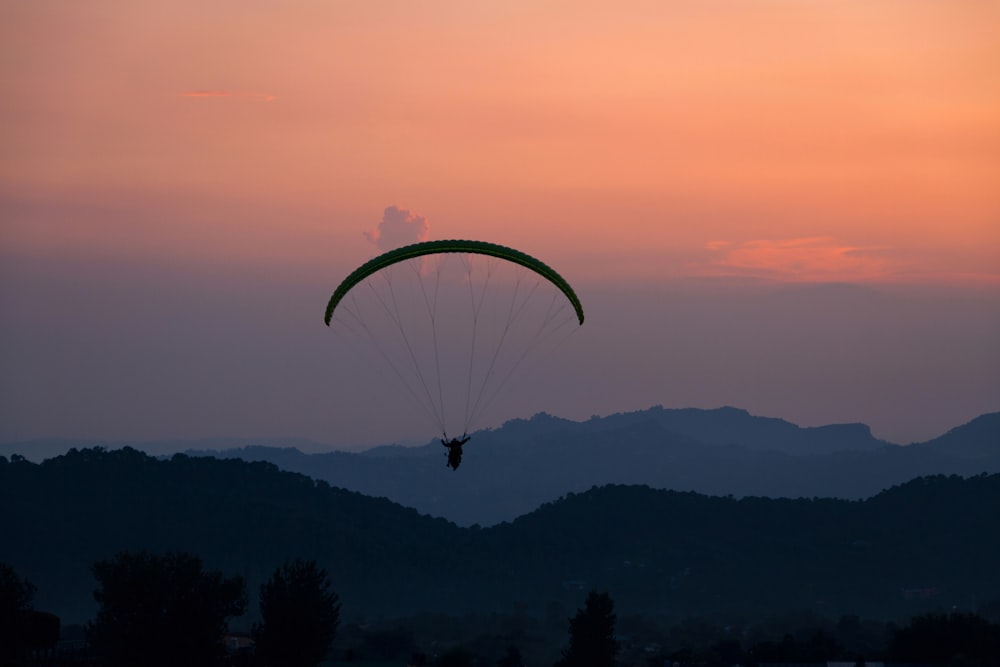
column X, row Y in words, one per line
column 435, row 247
column 453, row 320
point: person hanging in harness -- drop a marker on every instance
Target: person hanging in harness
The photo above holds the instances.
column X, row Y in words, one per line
column 454, row 450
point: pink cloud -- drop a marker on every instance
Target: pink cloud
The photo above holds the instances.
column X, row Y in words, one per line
column 817, row 258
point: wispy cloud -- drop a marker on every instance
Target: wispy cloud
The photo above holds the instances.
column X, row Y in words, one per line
column 718, row 245
column 815, row 258
column 260, row 97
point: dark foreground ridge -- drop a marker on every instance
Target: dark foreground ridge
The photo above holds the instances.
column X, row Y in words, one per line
column 928, row 544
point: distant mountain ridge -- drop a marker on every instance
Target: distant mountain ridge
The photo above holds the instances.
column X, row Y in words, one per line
column 734, row 426
column 511, row 470
column 978, row 439
column 39, row 449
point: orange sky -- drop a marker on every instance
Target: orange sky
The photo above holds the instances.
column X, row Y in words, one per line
column 183, row 183
column 821, row 140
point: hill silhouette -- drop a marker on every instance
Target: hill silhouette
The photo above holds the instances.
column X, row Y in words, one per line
column 929, row 543
column 511, row 470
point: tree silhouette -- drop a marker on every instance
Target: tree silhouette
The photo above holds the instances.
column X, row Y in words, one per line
column 592, row 634
column 299, row 614
column 162, row 610
column 956, row 638
column 16, row 595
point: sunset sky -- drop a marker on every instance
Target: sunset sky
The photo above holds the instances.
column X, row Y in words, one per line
column 789, row 206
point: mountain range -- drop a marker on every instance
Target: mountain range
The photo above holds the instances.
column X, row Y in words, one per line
column 511, row 470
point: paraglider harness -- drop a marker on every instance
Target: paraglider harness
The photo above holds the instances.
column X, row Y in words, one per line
column 454, row 450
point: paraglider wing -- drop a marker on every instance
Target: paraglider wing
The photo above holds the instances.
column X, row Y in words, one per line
column 453, row 246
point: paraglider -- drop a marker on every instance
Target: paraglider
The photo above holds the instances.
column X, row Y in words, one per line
column 453, row 320
column 455, row 451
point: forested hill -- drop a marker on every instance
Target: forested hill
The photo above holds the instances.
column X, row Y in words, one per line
column 245, row 518
column 930, row 543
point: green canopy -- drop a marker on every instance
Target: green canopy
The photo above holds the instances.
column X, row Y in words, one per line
column 454, row 246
